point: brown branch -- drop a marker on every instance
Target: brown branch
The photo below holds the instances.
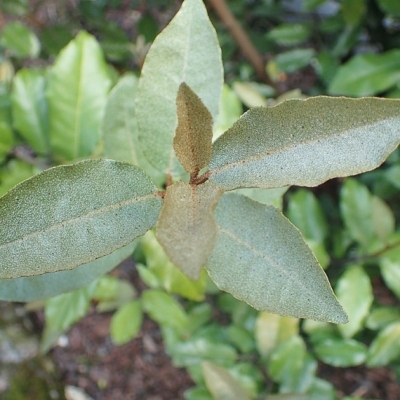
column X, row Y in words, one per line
column 243, row 41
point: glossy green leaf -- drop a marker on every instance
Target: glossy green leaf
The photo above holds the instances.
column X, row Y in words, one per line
column 29, row 108
column 64, row 217
column 186, row 228
column 198, row 393
column 119, row 128
column 112, row 293
column 321, row 389
column 389, row 6
column 306, row 213
column 381, row 317
column 353, row 11
column 77, row 93
column 383, row 219
column 288, row 145
column 287, row 396
column 241, row 338
column 249, row 377
column 19, row 40
column 289, row 34
column 198, row 349
column 367, row 74
column 385, row 347
column 356, row 210
column 325, row 65
column 272, row 330
column 221, row 384
column 126, row 322
column 193, row 135
column 6, row 139
column 354, row 292
column 164, row 309
column 392, row 174
column 14, row 172
column 169, row 277
column 249, row 94
column 261, row 258
column 190, row 45
column 341, row 353
column 286, row 363
column 230, row 109
column 48, row 285
column 293, row 60
column 390, row 269
column 62, row 311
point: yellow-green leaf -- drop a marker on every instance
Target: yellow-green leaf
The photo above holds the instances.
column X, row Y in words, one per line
column 261, row 258
column 221, row 384
column 186, row 228
column 71, row 215
column 305, row 142
column 193, row 135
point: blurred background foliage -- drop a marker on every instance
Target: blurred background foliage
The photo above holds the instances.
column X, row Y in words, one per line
column 307, row 47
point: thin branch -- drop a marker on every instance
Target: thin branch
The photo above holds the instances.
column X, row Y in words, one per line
column 243, row 41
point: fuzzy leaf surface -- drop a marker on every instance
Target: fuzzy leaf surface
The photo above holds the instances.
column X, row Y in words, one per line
column 261, row 258
column 119, row 128
column 31, row 288
column 29, row 108
column 193, row 135
column 71, row 215
column 77, row 94
column 305, row 142
column 186, row 228
column 190, row 45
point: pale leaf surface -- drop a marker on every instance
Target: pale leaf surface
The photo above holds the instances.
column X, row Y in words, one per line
column 221, row 384
column 190, row 45
column 29, row 108
column 31, row 288
column 193, row 135
column 71, row 215
column 261, row 258
column 119, row 128
column 306, row 142
column 77, row 93
column 186, row 228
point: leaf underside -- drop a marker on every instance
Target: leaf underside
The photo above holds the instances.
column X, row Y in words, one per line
column 193, row 135
column 186, row 228
column 261, row 258
column 305, row 142
column 71, row 215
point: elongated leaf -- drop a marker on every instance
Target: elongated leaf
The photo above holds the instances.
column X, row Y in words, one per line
column 19, row 40
column 126, row 322
column 77, row 94
column 356, row 210
column 385, row 347
column 71, row 215
column 29, row 107
column 190, row 45
column 341, row 352
column 261, row 258
column 6, row 139
column 305, row 142
column 390, row 267
column 62, row 311
column 186, row 228
column 221, row 384
column 367, row 74
column 193, row 135
column 119, row 128
column 48, row 285
column 354, row 292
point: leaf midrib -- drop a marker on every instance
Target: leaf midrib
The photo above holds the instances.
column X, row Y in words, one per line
column 80, row 217
column 291, row 146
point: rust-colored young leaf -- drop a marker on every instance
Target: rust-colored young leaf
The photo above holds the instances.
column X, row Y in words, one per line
column 186, row 228
column 193, row 135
